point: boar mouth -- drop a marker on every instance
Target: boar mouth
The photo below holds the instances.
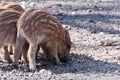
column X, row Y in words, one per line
column 64, row 59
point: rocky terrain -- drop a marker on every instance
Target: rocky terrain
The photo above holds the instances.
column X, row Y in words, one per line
column 95, row 33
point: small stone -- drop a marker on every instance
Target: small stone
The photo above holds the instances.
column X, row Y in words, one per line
column 67, row 27
column 101, row 43
column 49, row 72
column 60, row 5
column 91, row 21
column 89, row 10
column 76, row 9
column 32, row 4
column 60, row 14
column 105, row 52
column 26, row 69
column 22, row 3
column 117, row 47
column 49, row 78
column 101, row 33
column 31, row 74
column 100, row 8
column 95, row 7
column 118, row 58
column 42, row 71
column 109, row 43
column 73, row 13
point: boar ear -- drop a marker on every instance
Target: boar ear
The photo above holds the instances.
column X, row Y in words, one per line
column 67, row 39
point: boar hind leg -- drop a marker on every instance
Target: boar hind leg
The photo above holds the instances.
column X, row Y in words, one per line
column 31, row 56
column 18, row 49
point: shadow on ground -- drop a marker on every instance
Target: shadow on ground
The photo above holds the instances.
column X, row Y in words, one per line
column 77, row 64
column 82, row 64
column 101, row 22
column 94, row 23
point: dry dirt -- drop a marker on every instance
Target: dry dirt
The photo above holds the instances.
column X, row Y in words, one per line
column 95, row 33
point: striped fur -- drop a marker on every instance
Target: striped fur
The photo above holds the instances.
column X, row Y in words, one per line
column 40, row 28
column 8, row 29
column 12, row 5
column 7, row 19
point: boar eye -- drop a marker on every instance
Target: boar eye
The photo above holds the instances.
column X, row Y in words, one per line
column 68, row 46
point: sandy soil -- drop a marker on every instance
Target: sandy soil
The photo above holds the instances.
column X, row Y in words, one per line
column 95, row 33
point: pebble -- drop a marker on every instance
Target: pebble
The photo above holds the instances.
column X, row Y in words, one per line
column 105, row 52
column 67, row 27
column 89, row 10
column 31, row 74
column 42, row 71
column 117, row 47
column 60, row 5
column 101, row 33
column 73, row 13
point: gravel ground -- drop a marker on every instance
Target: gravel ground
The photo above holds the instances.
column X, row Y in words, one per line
column 95, row 33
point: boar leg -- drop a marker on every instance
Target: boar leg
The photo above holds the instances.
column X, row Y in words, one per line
column 31, row 56
column 51, row 52
column 24, row 53
column 6, row 54
column 18, row 49
column 10, row 48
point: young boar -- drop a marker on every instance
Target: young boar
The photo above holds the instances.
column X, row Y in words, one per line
column 40, row 28
column 12, row 5
column 8, row 49
column 8, row 29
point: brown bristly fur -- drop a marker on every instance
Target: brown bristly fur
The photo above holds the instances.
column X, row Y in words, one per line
column 38, row 27
column 7, row 49
column 8, row 29
column 12, row 5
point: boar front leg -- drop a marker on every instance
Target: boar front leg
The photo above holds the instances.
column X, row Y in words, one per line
column 24, row 54
column 6, row 54
column 51, row 51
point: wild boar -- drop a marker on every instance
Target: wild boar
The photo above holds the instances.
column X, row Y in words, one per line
column 12, row 5
column 8, row 29
column 39, row 28
column 8, row 49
